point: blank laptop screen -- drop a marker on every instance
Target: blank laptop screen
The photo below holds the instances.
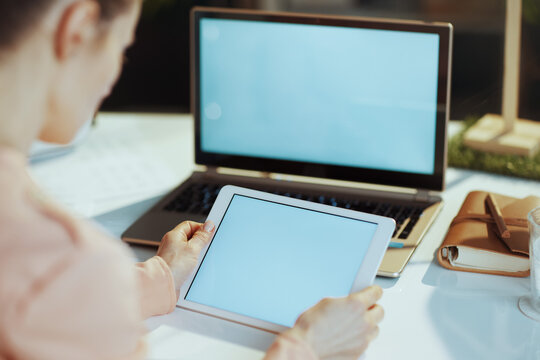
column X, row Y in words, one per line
column 319, row 94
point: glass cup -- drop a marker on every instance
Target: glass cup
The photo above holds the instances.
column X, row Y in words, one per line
column 530, row 304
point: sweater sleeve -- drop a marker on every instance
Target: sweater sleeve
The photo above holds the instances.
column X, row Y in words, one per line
column 85, row 306
column 156, row 286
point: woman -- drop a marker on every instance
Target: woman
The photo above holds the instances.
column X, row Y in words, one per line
column 67, row 291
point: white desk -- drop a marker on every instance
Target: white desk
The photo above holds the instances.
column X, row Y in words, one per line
column 431, row 313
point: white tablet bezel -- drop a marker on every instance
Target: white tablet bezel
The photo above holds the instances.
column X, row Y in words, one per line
column 365, row 276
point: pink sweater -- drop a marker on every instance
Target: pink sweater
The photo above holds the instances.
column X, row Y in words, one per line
column 68, row 291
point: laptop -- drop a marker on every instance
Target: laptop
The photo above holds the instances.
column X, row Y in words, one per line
column 345, row 111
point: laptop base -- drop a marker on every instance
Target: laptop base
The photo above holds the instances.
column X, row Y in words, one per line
column 169, row 212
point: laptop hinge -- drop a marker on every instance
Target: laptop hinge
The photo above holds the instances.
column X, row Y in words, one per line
column 212, row 170
column 422, row 195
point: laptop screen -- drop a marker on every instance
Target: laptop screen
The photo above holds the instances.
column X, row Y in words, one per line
column 344, row 98
column 320, row 94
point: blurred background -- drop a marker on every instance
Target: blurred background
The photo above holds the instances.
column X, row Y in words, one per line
column 156, row 74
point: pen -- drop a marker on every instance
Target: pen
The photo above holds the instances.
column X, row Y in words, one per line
column 497, row 216
column 399, row 245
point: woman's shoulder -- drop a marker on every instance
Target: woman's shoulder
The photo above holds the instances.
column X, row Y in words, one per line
column 36, row 233
column 12, row 172
column 25, row 218
column 35, row 220
column 39, row 239
column 10, row 156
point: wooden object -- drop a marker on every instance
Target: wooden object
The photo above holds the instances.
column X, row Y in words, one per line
column 506, row 133
column 497, row 216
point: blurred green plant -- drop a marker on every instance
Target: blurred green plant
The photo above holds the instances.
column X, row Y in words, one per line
column 531, row 11
column 462, row 156
column 152, row 7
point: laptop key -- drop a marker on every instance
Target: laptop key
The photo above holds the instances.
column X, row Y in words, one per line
column 395, row 211
column 381, row 209
column 181, row 207
column 387, row 210
column 412, row 222
column 396, row 231
column 205, row 210
column 368, row 206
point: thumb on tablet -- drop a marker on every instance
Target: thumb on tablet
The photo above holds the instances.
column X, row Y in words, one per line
column 181, row 247
column 202, row 237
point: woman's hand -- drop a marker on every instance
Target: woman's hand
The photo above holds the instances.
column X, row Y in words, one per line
column 180, row 248
column 337, row 328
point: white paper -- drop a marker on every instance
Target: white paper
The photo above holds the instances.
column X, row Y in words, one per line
column 111, row 169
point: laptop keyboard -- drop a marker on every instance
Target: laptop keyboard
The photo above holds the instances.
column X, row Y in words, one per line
column 198, row 198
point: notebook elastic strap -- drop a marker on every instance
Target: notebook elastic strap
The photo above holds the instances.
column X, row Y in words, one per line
column 488, row 219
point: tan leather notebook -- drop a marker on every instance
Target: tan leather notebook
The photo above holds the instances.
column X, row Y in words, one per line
column 474, row 243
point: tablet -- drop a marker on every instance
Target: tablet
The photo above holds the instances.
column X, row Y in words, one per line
column 273, row 257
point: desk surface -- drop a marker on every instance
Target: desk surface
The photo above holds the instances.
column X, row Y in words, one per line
column 431, row 313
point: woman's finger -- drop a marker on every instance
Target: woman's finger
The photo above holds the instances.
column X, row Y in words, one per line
column 374, row 334
column 182, row 232
column 375, row 314
column 187, row 228
column 369, row 296
column 202, row 237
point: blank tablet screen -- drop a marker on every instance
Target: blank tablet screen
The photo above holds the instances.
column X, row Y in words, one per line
column 272, row 261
